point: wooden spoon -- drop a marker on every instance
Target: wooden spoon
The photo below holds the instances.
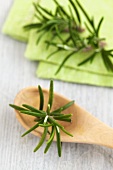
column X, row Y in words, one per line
column 84, row 127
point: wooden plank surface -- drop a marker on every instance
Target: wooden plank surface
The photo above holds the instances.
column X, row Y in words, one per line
column 16, row 153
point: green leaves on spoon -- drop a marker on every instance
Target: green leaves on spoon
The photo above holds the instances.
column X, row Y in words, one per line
column 46, row 119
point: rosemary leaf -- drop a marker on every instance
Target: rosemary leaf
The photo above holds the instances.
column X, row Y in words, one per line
column 63, row 119
column 88, row 59
column 88, row 28
column 52, row 135
column 111, row 55
column 62, row 9
column 56, row 111
column 33, row 109
column 107, row 61
column 99, row 25
column 76, row 11
column 45, row 125
column 49, row 142
column 41, row 98
column 59, row 34
column 67, row 105
column 48, row 132
column 39, row 12
column 32, row 26
column 40, row 36
column 62, row 108
column 58, row 140
column 42, row 139
column 71, row 14
column 51, row 54
column 91, row 21
column 71, row 33
column 63, row 62
column 65, row 131
column 82, row 9
column 48, row 109
column 38, row 17
column 17, row 107
column 55, row 122
column 50, row 101
column 109, row 51
column 33, row 128
column 56, row 114
column 63, row 116
column 33, row 113
column 46, row 11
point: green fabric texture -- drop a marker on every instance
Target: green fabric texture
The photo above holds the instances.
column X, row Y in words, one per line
column 47, row 70
column 20, row 14
column 95, row 74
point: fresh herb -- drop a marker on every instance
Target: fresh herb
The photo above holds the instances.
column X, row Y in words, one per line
column 69, row 23
column 47, row 119
column 56, row 22
column 95, row 42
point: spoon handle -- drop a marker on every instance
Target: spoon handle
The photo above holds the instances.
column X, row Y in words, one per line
column 88, row 129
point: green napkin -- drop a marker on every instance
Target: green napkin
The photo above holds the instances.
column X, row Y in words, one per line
column 47, row 70
column 96, row 74
column 20, row 14
column 40, row 53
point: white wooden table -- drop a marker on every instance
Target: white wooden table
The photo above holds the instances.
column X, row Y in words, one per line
column 16, row 153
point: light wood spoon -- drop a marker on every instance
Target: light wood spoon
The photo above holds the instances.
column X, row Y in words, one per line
column 84, row 126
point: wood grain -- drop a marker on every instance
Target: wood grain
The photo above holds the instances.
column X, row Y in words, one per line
column 16, row 153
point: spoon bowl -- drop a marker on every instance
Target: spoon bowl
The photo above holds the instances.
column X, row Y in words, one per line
column 84, row 127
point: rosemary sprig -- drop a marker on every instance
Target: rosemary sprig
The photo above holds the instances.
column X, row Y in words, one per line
column 56, row 22
column 66, row 26
column 47, row 119
column 97, row 43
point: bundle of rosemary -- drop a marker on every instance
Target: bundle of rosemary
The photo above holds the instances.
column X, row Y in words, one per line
column 69, row 22
column 47, row 118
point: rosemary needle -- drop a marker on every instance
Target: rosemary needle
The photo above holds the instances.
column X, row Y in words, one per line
column 58, row 140
column 49, row 142
column 47, row 119
column 41, row 98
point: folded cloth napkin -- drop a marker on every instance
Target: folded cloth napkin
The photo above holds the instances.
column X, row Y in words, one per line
column 21, row 13
column 95, row 74
column 47, row 70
